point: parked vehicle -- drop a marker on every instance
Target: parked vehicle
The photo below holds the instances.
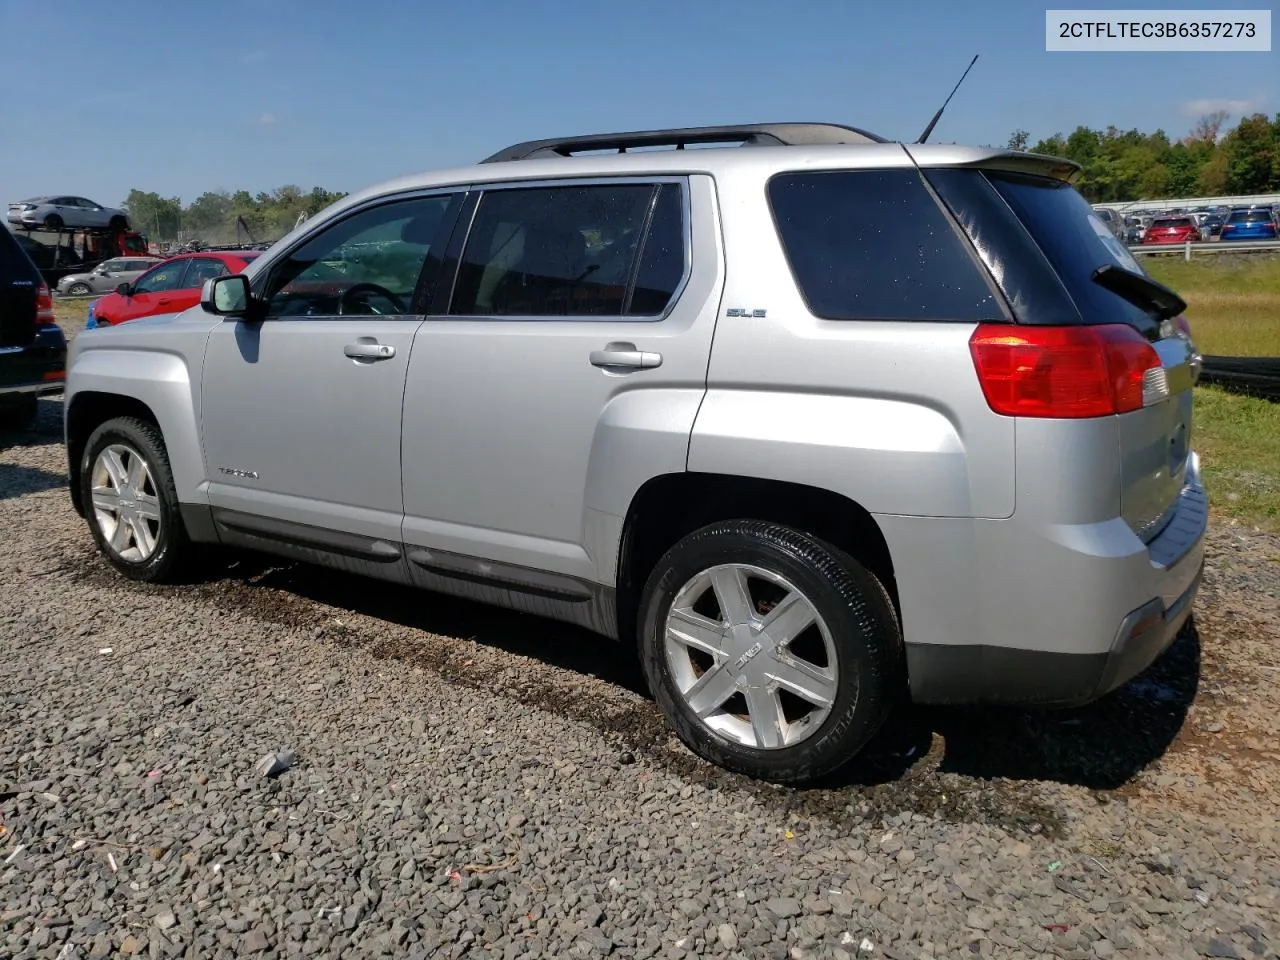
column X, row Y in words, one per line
column 1256, row 224
column 170, row 286
column 1211, row 226
column 57, row 213
column 1172, row 230
column 802, row 418
column 33, row 350
column 106, row 276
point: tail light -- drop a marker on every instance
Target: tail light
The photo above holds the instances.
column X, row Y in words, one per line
column 1066, row 372
column 44, row 306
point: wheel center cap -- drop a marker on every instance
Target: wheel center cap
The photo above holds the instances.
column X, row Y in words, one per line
column 745, row 644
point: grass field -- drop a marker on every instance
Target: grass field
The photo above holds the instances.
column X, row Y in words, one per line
column 1233, row 301
column 1234, row 309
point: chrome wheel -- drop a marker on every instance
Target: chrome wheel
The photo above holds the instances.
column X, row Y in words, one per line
column 126, row 503
column 751, row 656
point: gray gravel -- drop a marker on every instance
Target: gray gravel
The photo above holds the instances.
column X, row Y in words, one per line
column 472, row 783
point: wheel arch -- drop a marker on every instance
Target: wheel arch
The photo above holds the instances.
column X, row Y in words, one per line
column 87, row 411
column 152, row 386
column 670, row 506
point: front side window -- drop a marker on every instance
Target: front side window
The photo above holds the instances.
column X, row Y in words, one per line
column 167, row 276
column 598, row 250
column 364, row 265
column 874, row 245
column 113, row 266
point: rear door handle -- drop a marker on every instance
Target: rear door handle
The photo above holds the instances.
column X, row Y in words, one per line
column 625, row 356
column 365, row 350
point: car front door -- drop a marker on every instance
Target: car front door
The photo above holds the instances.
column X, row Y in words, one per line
column 152, row 293
column 301, row 409
column 566, row 370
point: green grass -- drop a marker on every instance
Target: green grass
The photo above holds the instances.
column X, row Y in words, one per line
column 1233, row 301
column 1238, row 439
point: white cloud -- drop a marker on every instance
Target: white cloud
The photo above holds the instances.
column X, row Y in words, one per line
column 1205, row 105
column 266, row 120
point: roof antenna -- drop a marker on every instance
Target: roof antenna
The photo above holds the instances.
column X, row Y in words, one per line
column 937, row 116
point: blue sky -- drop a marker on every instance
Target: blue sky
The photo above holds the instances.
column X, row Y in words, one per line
column 253, row 94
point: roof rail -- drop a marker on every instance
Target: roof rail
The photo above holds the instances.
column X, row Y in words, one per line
column 749, row 134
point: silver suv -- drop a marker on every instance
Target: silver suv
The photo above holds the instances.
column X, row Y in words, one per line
column 815, row 419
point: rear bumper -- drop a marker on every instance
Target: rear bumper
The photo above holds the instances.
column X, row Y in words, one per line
column 37, row 368
column 1123, row 605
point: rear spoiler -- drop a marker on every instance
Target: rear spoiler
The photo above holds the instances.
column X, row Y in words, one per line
column 1011, row 161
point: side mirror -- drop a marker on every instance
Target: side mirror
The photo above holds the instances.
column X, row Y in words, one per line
column 226, row 296
column 125, row 290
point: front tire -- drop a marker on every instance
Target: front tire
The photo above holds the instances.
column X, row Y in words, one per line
column 131, row 503
column 118, row 225
column 772, row 653
column 78, row 290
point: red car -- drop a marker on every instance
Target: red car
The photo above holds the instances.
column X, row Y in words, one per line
column 168, row 287
column 1172, row 230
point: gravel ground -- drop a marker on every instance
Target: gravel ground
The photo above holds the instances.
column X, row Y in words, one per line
column 472, row 783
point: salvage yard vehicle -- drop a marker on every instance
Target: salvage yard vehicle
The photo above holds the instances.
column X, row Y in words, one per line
column 107, row 275
column 815, row 419
column 60, row 212
column 33, row 349
column 170, row 286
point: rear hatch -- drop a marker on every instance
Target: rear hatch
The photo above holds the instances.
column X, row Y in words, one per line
column 1059, row 265
column 19, row 286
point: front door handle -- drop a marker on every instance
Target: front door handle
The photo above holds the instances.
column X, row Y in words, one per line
column 369, row 350
column 626, row 356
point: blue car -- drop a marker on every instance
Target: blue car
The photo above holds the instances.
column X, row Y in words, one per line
column 1259, row 224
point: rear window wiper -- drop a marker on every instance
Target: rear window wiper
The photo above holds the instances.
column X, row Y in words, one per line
column 1140, row 290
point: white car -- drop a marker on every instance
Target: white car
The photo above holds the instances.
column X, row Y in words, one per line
column 57, row 213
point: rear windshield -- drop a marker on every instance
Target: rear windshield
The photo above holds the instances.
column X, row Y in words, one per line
column 1251, row 216
column 1074, row 241
column 1173, row 222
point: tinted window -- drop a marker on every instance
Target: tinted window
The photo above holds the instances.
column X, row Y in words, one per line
column 167, row 276
column 873, row 245
column 1172, row 222
column 569, row 251
column 1074, row 241
column 1251, row 216
column 661, row 266
column 364, row 265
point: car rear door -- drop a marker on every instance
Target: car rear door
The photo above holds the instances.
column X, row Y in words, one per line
column 565, row 371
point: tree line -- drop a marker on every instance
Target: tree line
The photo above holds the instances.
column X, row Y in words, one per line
column 1117, row 166
column 1211, row 160
column 221, row 216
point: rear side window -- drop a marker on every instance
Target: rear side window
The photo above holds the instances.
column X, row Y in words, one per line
column 1074, row 241
column 874, row 245
column 593, row 250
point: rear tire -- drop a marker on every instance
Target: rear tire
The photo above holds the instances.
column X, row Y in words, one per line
column 19, row 413
column 53, row 222
column 131, row 503
column 790, row 687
